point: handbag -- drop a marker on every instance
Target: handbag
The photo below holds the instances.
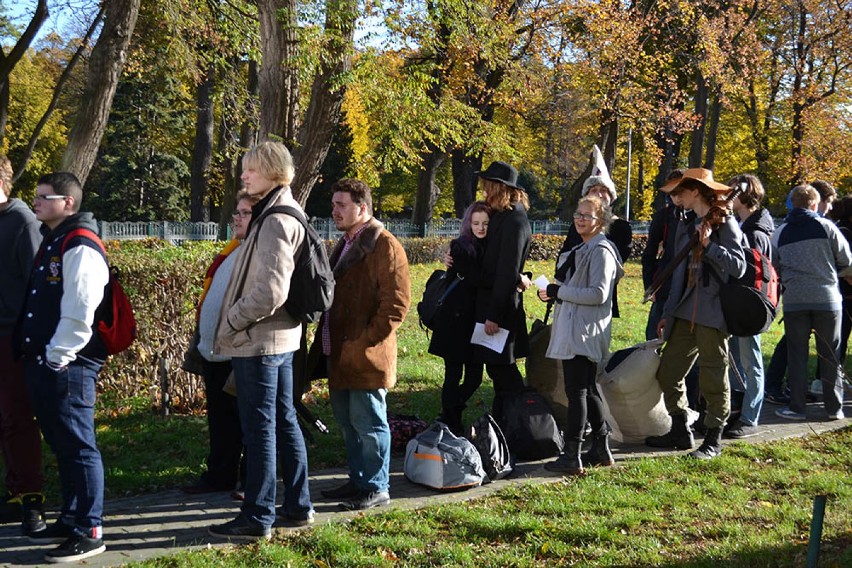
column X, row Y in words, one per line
column 438, row 459
column 193, row 362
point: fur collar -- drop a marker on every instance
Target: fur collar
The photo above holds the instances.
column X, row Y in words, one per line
column 365, row 243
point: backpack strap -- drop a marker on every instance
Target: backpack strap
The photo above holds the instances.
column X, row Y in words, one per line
column 286, row 209
column 86, row 233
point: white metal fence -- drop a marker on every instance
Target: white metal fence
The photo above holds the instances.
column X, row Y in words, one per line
column 208, row 230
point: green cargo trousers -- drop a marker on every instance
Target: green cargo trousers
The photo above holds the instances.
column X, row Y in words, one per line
column 686, row 343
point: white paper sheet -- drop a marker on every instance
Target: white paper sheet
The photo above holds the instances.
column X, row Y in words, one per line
column 496, row 342
column 541, row 282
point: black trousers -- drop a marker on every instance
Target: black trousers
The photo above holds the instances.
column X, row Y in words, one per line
column 226, row 436
column 507, row 380
column 584, row 401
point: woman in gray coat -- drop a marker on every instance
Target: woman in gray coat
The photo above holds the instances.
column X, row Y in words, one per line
column 586, row 276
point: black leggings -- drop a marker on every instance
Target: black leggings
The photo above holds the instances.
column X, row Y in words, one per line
column 454, row 393
column 584, row 402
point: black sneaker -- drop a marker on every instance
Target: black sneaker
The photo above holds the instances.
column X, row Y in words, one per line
column 294, row 521
column 345, row 491
column 777, row 399
column 56, row 533
column 32, row 513
column 367, row 500
column 77, row 547
column 740, row 430
column 240, row 529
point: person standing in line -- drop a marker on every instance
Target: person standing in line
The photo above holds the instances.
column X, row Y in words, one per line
column 620, row 233
column 692, row 321
column 357, row 337
column 841, row 213
column 582, row 328
column 223, row 417
column 658, row 252
column 757, row 225
column 451, row 336
column 20, row 439
column 811, row 253
column 774, row 391
column 260, row 337
column 499, row 298
column 63, row 355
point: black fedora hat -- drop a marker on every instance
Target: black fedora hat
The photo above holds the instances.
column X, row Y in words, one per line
column 502, row 172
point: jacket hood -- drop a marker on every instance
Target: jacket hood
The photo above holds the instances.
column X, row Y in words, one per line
column 16, row 206
column 800, row 215
column 600, row 240
column 76, row 221
column 760, row 220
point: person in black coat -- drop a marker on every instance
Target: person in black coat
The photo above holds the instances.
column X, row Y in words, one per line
column 454, row 326
column 619, row 233
column 499, row 297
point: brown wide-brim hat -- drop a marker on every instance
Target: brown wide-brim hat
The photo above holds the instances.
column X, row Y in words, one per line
column 702, row 176
column 502, row 172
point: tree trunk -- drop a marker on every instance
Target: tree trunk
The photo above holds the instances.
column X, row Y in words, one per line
column 202, row 151
column 427, row 190
column 8, row 62
column 279, row 85
column 317, row 131
column 713, row 131
column 697, row 149
column 105, row 66
column 464, row 180
column 248, row 136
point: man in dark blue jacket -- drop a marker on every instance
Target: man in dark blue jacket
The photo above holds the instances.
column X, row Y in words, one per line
column 63, row 354
column 20, row 440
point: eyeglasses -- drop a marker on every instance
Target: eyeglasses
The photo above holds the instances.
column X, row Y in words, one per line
column 584, row 217
column 243, row 214
column 43, row 197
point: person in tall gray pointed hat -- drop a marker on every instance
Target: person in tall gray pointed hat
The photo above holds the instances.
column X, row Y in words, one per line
column 692, row 321
column 599, row 184
column 499, row 299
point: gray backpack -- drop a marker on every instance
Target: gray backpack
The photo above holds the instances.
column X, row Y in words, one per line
column 438, row 459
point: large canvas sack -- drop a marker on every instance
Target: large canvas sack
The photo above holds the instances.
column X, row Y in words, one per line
column 438, row 459
column 529, row 426
column 632, row 396
column 491, row 444
column 545, row 375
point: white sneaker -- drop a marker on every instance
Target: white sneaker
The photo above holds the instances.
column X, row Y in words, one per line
column 837, row 415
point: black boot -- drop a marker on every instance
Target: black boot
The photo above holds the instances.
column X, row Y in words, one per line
column 32, row 513
column 679, row 437
column 711, row 447
column 570, row 462
column 599, row 453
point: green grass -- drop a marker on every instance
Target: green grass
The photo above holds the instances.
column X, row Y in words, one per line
column 750, row 508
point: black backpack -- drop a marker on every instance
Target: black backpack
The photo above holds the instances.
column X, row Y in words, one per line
column 312, row 284
column 438, row 287
column 488, row 439
column 529, row 426
column 750, row 303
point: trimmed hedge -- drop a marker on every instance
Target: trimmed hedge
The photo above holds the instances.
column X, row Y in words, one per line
column 164, row 281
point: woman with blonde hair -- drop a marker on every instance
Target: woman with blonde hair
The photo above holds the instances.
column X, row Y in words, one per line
column 586, row 277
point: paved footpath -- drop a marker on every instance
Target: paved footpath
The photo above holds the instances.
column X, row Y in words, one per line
column 153, row 525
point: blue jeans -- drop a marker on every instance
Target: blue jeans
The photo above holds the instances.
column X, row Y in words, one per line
column 748, row 358
column 64, row 404
column 826, row 327
column 269, row 422
column 363, row 417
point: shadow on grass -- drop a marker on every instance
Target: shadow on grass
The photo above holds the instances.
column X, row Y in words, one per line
column 836, row 552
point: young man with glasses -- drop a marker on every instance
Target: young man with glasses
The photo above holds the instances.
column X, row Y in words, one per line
column 63, row 355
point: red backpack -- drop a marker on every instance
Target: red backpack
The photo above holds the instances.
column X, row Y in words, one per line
column 116, row 324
